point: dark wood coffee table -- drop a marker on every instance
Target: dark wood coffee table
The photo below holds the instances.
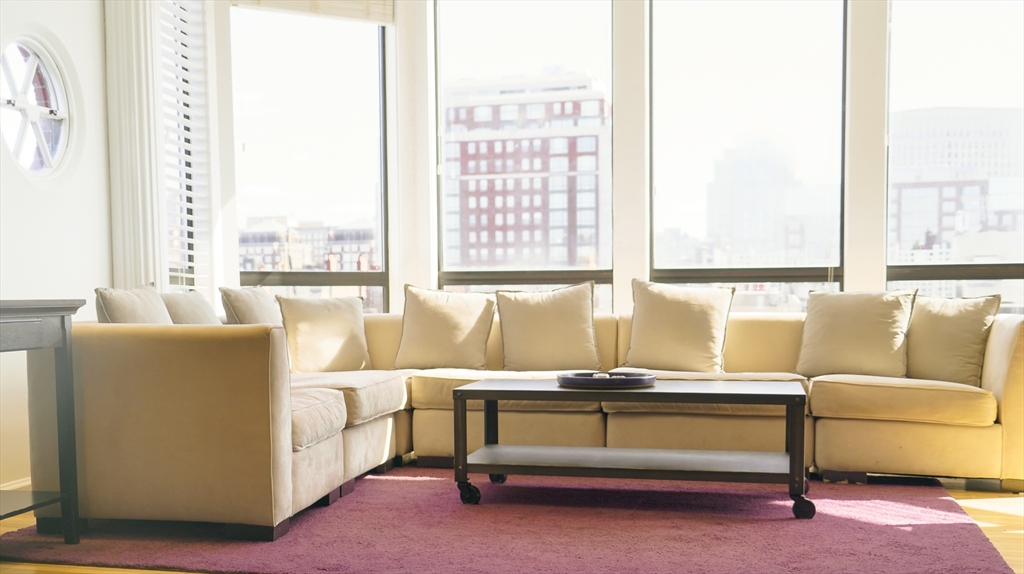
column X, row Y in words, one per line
column 500, row 460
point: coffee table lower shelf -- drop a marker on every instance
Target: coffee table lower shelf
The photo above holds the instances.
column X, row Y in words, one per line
column 589, row 461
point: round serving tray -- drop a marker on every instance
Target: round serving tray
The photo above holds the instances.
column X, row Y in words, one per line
column 605, row 380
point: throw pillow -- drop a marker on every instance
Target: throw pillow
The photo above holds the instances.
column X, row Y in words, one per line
column 442, row 329
column 946, row 339
column 250, row 306
column 325, row 334
column 189, row 308
column 856, row 334
column 678, row 328
column 139, row 305
column 548, row 331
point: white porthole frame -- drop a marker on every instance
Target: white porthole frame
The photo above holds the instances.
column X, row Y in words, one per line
column 59, row 83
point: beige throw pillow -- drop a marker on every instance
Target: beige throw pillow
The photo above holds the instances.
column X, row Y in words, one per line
column 946, row 339
column 189, row 308
column 551, row 330
column 856, row 334
column 139, row 305
column 325, row 334
column 250, row 306
column 442, row 329
column 678, row 328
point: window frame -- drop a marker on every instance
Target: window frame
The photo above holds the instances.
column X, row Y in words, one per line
column 817, row 274
column 380, row 278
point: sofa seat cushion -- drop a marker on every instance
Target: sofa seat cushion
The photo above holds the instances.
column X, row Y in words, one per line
column 317, row 414
column 702, row 408
column 368, row 394
column 432, row 389
column 899, row 399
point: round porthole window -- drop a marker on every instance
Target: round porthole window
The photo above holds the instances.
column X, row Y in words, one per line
column 33, row 107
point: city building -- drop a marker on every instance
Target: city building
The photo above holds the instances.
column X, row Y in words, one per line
column 527, row 173
column 954, row 172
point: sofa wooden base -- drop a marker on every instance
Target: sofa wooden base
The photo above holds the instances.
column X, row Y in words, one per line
column 257, row 533
column 384, row 468
column 329, row 498
column 347, row 488
column 435, row 461
column 844, row 477
column 54, row 525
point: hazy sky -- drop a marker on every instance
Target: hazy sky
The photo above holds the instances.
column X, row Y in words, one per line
column 306, row 117
column 496, row 39
column 727, row 74
column 963, row 53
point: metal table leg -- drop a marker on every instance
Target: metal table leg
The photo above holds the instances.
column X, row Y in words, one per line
column 802, row 507
column 469, row 493
column 491, row 433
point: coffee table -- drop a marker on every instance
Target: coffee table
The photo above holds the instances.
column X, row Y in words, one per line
column 500, row 460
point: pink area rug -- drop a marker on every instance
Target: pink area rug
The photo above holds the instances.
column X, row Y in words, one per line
column 411, row 520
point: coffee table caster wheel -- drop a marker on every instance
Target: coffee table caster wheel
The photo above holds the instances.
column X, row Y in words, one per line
column 499, row 478
column 803, row 508
column 469, row 493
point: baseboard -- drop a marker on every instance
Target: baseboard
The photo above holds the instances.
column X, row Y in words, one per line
column 20, row 484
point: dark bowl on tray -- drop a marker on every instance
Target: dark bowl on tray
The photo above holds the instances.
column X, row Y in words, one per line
column 605, row 380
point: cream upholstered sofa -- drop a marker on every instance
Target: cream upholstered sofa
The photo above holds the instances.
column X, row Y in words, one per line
column 205, row 423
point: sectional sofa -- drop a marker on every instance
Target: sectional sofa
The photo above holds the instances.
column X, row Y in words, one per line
column 219, row 423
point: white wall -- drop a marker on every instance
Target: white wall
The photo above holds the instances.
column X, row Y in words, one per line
column 54, row 230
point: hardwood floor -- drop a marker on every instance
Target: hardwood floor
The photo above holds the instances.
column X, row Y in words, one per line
column 1000, row 516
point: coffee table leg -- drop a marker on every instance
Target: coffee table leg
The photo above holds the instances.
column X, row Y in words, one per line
column 467, row 492
column 460, row 441
column 490, row 422
column 802, row 507
column 491, row 433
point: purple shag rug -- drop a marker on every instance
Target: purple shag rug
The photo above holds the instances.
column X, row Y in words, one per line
column 411, row 520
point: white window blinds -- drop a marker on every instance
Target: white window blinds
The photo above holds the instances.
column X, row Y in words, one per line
column 185, row 145
column 379, row 11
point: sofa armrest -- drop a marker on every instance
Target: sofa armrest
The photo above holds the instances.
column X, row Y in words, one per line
column 1003, row 375
column 174, row 422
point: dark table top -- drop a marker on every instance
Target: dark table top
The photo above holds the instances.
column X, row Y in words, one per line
column 730, row 392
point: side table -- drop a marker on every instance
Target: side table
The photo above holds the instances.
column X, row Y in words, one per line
column 46, row 324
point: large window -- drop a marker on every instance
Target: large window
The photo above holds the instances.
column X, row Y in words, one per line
column 956, row 148
column 747, row 145
column 309, row 161
column 525, row 121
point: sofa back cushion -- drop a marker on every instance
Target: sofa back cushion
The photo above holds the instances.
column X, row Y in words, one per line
column 946, row 339
column 549, row 330
column 140, row 305
column 190, row 308
column 856, row 334
column 754, row 342
column 678, row 328
column 325, row 334
column 250, row 306
column 384, row 334
column 443, row 329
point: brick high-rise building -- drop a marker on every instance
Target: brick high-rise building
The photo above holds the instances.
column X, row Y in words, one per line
column 527, row 173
